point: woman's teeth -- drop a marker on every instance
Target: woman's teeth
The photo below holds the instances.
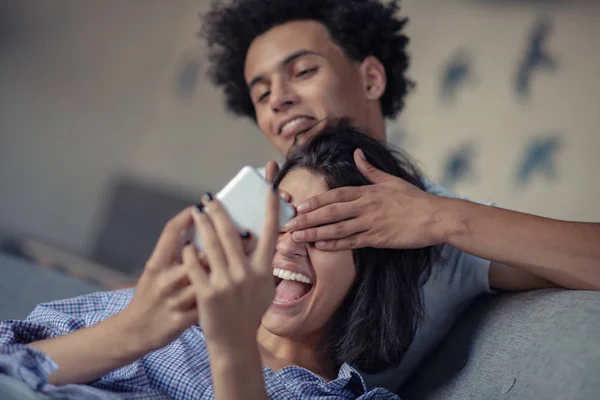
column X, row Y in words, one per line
column 290, row 276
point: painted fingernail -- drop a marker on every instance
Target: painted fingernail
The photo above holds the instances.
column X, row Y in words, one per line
column 200, row 207
column 291, row 224
column 302, row 207
column 298, row 235
column 361, row 154
column 245, row 235
column 320, row 244
column 208, row 196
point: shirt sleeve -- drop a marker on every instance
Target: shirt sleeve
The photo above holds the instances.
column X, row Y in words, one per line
column 49, row 320
column 457, row 278
column 439, row 190
column 472, row 270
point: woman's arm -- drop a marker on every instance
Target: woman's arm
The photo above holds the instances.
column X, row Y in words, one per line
column 233, row 292
column 162, row 308
column 237, row 373
column 88, row 354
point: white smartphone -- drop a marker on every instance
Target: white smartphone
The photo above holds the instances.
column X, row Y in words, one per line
column 245, row 199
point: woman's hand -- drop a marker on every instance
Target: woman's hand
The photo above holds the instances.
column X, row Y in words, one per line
column 271, row 171
column 236, row 290
column 162, row 308
column 164, row 304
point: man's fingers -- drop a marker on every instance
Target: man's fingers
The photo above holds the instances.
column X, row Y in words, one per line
column 263, row 256
column 339, row 230
column 271, row 171
column 169, row 242
column 339, row 195
column 373, row 174
column 325, row 215
column 355, row 241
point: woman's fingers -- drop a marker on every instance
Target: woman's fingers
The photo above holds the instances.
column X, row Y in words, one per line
column 186, row 299
column 169, row 242
column 266, row 246
column 229, row 237
column 173, row 280
column 271, row 170
column 248, row 242
column 190, row 317
column 196, row 273
column 211, row 243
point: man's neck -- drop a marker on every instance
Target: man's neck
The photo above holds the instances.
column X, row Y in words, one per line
column 376, row 123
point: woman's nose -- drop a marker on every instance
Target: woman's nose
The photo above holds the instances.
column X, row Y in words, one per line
column 288, row 248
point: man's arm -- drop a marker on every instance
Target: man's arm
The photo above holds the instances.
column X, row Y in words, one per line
column 561, row 252
column 526, row 251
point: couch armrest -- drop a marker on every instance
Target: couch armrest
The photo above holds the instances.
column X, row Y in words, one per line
column 542, row 344
column 23, row 285
column 70, row 264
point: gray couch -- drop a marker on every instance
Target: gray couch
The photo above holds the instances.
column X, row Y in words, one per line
column 535, row 345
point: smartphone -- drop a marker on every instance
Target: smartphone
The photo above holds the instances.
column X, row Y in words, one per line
column 245, row 199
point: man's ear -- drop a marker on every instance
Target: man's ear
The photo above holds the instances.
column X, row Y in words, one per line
column 374, row 77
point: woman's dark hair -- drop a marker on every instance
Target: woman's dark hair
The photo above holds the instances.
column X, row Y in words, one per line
column 376, row 323
column 361, row 28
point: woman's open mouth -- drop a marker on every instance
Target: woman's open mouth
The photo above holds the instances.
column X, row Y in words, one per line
column 291, row 289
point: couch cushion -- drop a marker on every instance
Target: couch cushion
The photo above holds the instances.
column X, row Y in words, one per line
column 534, row 345
column 23, row 285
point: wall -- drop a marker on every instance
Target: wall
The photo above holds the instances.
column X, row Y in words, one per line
column 89, row 97
column 531, row 148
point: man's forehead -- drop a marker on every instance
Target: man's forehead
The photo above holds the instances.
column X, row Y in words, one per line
column 270, row 49
column 294, row 34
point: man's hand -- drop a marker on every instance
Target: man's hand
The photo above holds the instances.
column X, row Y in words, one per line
column 164, row 305
column 391, row 213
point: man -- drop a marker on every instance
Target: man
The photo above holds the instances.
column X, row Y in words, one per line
column 290, row 65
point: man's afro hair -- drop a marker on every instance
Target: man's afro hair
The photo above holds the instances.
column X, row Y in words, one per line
column 361, row 27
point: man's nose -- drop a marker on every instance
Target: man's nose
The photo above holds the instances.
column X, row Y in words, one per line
column 282, row 95
column 290, row 249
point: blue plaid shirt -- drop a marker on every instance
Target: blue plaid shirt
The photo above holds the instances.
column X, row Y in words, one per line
column 179, row 371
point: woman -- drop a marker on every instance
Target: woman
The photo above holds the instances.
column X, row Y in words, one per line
column 327, row 315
